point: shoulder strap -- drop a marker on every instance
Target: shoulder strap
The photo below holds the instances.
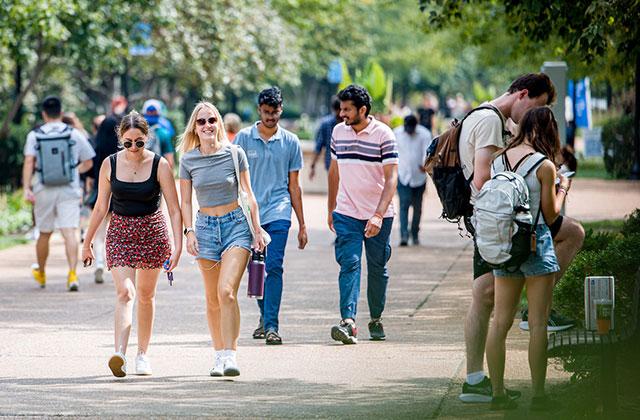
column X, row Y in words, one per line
column 234, row 157
column 531, row 163
column 154, row 167
column 112, row 160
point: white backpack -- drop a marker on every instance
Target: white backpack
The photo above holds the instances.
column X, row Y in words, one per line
column 504, row 227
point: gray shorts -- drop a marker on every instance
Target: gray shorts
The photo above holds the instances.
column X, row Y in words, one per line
column 57, row 208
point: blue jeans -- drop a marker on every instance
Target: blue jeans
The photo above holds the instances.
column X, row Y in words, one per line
column 270, row 303
column 349, row 240
column 410, row 197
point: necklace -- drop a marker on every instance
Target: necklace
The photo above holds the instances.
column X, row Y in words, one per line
column 135, row 168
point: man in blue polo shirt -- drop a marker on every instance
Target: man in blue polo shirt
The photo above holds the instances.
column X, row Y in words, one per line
column 275, row 160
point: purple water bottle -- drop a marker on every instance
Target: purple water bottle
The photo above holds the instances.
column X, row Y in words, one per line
column 255, row 288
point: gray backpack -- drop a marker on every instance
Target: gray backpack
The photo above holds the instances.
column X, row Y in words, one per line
column 55, row 161
column 505, row 228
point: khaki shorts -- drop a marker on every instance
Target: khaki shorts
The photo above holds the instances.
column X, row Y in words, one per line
column 57, row 208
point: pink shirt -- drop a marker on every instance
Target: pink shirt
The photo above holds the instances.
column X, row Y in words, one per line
column 361, row 157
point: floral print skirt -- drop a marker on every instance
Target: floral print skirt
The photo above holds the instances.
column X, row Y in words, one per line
column 137, row 241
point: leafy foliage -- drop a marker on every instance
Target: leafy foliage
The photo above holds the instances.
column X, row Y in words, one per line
column 15, row 213
column 617, row 142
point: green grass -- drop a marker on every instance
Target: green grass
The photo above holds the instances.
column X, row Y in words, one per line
column 608, row 225
column 9, row 241
column 592, row 168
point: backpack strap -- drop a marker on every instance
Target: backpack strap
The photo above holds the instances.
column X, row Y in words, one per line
column 532, row 162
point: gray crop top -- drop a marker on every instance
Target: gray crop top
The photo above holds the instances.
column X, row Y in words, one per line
column 213, row 177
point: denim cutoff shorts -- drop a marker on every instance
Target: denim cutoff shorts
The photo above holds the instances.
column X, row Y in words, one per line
column 217, row 234
column 543, row 262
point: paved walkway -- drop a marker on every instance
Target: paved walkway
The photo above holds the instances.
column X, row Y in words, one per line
column 54, row 345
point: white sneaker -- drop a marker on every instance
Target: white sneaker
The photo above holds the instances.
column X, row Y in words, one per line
column 231, row 366
column 143, row 366
column 118, row 365
column 218, row 368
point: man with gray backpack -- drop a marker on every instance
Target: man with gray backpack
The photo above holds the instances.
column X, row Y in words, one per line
column 56, row 154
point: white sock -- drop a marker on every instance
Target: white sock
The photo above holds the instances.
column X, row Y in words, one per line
column 219, row 354
column 475, row 377
column 230, row 353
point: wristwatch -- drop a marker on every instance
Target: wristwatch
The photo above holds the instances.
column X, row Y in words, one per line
column 187, row 230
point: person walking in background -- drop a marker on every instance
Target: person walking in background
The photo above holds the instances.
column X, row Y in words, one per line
column 413, row 141
column 159, row 137
column 133, row 180
column 323, row 137
column 221, row 239
column 275, row 161
column 538, row 138
column 58, row 153
column 427, row 113
column 233, row 124
column 362, row 182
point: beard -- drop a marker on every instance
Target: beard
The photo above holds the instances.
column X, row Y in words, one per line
column 355, row 121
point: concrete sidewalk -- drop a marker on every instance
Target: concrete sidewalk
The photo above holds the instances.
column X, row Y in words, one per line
column 54, row 345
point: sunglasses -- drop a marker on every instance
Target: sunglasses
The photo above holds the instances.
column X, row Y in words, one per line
column 203, row 121
column 139, row 144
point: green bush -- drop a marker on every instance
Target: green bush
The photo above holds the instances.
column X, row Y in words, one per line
column 605, row 254
column 11, row 157
column 15, row 213
column 617, row 142
column 631, row 224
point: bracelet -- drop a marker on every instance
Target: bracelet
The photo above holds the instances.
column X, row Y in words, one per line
column 564, row 190
column 379, row 215
column 376, row 221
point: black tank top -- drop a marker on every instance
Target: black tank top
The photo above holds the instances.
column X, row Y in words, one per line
column 135, row 198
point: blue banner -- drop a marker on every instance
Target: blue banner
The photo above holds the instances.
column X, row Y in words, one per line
column 582, row 104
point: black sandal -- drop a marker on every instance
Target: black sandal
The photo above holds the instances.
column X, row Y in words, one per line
column 258, row 333
column 273, row 338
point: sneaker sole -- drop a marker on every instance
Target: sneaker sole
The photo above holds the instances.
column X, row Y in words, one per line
column 115, row 364
column 475, row 398
column 73, row 288
column 338, row 335
column 216, row 374
column 143, row 373
column 232, row 372
column 383, row 338
column 524, row 325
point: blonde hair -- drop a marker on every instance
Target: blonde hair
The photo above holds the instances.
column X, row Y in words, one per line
column 189, row 140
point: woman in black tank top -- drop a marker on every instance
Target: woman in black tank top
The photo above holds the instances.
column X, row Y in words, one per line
column 137, row 239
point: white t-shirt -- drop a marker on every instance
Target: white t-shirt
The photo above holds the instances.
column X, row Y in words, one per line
column 80, row 152
column 412, row 150
column 481, row 129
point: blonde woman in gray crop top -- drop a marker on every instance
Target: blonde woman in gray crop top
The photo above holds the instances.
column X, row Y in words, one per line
column 220, row 238
column 538, row 138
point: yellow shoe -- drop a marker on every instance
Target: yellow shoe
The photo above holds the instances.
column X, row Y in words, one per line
column 72, row 281
column 40, row 278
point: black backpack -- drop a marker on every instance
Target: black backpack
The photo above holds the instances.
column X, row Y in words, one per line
column 442, row 163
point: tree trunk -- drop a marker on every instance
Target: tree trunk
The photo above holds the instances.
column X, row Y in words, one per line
column 35, row 75
column 17, row 81
column 635, row 169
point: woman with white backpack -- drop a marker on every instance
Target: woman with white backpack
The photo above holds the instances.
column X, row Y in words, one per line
column 221, row 238
column 534, row 148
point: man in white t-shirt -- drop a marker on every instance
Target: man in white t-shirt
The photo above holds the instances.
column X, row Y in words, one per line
column 55, row 206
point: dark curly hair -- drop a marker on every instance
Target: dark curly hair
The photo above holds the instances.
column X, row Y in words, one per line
column 358, row 95
column 537, row 84
column 270, row 96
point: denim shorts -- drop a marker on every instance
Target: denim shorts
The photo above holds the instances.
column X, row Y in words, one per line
column 543, row 262
column 217, row 234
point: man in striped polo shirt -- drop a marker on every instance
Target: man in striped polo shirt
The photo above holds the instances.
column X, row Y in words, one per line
column 362, row 182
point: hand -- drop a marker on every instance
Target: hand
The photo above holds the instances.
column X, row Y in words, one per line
column 330, row 222
column 258, row 242
column 192, row 244
column 373, row 227
column 312, row 172
column 29, row 196
column 302, row 237
column 173, row 259
column 565, row 183
column 87, row 255
column 422, row 168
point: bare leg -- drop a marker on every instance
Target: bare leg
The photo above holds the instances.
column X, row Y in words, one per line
column 539, row 294
column 234, row 263
column 123, row 279
column 507, row 296
column 70, row 236
column 146, row 282
column 210, row 272
column 477, row 321
column 42, row 250
column 567, row 243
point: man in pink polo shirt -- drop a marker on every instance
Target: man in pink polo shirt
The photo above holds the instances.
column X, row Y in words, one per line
column 362, row 182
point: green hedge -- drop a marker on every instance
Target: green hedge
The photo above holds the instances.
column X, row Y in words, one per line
column 11, row 156
column 15, row 213
column 603, row 254
column 617, row 141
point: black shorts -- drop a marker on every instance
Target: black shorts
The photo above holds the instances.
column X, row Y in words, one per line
column 480, row 266
column 555, row 226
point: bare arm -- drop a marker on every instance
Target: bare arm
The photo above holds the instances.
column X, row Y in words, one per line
column 186, row 208
column 100, row 209
column 334, row 180
column 168, row 186
column 245, row 182
column 551, row 201
column 295, row 192
column 389, row 190
column 27, row 173
column 482, row 165
column 85, row 166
